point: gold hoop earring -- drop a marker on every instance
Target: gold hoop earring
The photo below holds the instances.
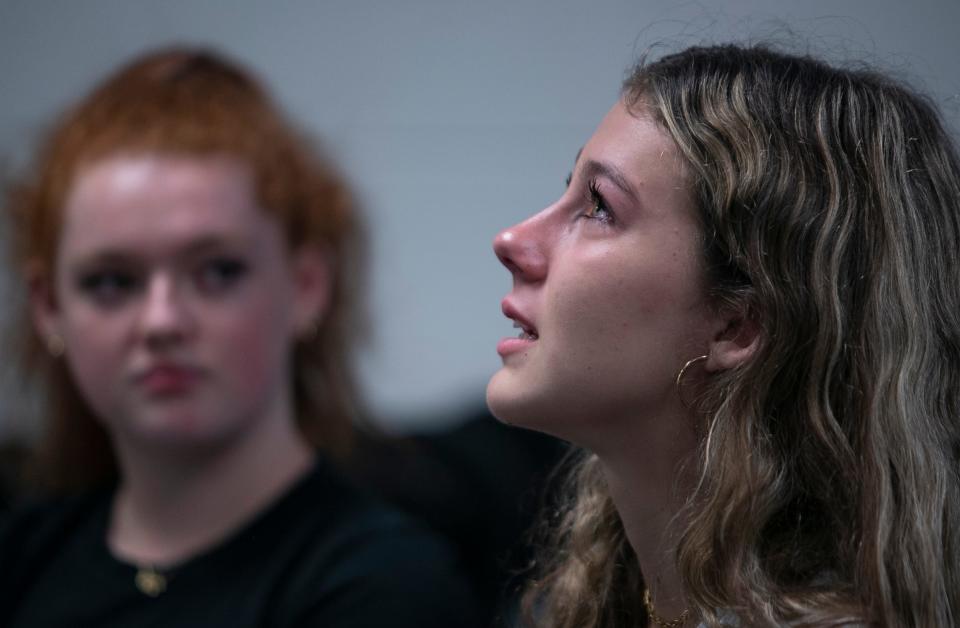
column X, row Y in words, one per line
column 683, row 371
column 55, row 346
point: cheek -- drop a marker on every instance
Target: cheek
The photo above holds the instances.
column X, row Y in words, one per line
column 96, row 358
column 597, row 342
column 626, row 321
column 252, row 341
column 614, row 299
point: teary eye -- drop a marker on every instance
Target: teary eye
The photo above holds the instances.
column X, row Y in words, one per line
column 598, row 207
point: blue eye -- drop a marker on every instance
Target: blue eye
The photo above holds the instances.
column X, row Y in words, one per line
column 598, row 208
column 220, row 274
column 109, row 287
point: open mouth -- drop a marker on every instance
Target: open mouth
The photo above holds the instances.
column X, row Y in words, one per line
column 524, row 339
column 526, row 333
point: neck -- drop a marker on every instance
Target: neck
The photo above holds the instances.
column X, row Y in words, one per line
column 650, row 472
column 170, row 507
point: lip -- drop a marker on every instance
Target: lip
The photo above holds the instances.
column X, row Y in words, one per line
column 511, row 345
column 511, row 311
column 168, row 379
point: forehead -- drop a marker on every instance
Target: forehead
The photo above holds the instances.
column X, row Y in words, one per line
column 149, row 201
column 637, row 145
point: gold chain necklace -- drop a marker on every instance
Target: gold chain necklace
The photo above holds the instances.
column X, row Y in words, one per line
column 149, row 581
column 660, row 621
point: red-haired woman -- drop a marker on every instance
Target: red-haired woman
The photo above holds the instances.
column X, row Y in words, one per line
column 187, row 259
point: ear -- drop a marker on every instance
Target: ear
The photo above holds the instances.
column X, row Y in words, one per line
column 43, row 304
column 313, row 284
column 735, row 342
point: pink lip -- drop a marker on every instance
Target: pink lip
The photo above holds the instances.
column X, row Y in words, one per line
column 165, row 379
column 510, row 311
column 511, row 345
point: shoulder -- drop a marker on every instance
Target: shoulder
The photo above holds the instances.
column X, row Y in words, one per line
column 369, row 565
column 30, row 526
column 31, row 534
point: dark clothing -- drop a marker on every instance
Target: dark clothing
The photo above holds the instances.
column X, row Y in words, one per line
column 483, row 485
column 323, row 555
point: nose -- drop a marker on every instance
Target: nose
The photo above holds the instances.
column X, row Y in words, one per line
column 165, row 319
column 522, row 249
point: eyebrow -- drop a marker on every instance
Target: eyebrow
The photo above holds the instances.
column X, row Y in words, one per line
column 194, row 247
column 598, row 168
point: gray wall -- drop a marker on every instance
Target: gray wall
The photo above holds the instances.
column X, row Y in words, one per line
column 452, row 120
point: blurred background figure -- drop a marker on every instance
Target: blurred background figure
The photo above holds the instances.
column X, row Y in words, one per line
column 188, row 263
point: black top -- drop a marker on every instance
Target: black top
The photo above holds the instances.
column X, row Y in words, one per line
column 482, row 485
column 322, row 555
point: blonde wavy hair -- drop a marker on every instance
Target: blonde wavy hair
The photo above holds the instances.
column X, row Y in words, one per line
column 828, row 488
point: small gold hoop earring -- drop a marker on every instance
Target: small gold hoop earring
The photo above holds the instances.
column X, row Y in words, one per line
column 683, row 371
column 55, row 346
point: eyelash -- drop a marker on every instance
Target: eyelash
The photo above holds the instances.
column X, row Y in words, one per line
column 112, row 287
column 109, row 287
column 598, row 203
column 219, row 274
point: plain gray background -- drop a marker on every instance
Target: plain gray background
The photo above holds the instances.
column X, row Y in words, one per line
column 451, row 119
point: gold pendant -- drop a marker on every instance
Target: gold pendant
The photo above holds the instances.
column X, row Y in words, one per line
column 150, row 582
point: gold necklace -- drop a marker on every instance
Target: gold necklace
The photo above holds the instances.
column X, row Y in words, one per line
column 149, row 581
column 660, row 621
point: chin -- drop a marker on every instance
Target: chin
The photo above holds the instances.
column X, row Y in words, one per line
column 185, row 427
column 498, row 407
column 517, row 405
column 503, row 400
column 557, row 411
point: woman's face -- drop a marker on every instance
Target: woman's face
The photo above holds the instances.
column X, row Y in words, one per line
column 608, row 289
column 176, row 298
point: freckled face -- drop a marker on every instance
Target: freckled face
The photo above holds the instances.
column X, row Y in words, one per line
column 174, row 296
column 607, row 287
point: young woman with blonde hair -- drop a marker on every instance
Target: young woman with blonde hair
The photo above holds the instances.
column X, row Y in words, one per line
column 746, row 309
